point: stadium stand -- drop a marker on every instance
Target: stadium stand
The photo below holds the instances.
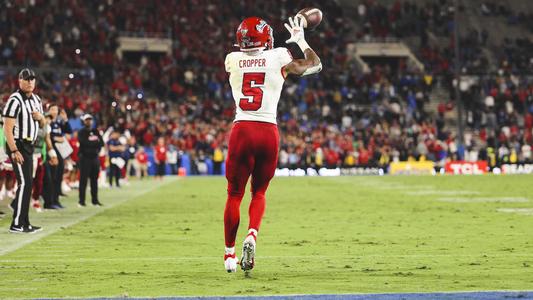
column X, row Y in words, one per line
column 341, row 117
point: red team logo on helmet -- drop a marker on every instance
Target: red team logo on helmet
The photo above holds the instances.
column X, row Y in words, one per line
column 253, row 34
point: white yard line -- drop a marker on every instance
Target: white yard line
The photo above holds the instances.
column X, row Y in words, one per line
column 520, row 211
column 403, row 188
column 74, row 215
column 442, row 193
column 483, row 199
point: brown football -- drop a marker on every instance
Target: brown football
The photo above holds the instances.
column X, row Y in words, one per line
column 312, row 17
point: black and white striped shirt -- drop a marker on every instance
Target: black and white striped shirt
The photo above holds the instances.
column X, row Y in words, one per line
column 20, row 108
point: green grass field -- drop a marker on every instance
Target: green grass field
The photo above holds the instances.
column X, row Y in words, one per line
column 319, row 236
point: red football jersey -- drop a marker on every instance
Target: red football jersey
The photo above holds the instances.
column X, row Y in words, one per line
column 160, row 153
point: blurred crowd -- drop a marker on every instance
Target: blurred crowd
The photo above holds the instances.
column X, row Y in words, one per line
column 162, row 108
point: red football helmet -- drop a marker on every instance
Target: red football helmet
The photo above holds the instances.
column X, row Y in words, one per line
column 253, row 34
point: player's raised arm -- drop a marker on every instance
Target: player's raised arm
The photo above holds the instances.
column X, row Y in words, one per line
column 311, row 63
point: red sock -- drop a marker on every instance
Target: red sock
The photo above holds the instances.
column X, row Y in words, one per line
column 226, row 256
column 231, row 219
column 253, row 233
column 256, row 210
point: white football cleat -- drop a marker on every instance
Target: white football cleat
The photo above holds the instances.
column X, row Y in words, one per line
column 230, row 262
column 248, row 253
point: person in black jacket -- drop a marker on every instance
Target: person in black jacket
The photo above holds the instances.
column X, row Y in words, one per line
column 90, row 144
column 57, row 134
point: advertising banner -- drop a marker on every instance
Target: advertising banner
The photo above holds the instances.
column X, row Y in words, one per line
column 517, row 169
column 330, row 172
column 412, row 168
column 466, row 168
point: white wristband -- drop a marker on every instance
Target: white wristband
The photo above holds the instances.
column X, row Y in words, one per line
column 52, row 153
column 313, row 70
column 302, row 43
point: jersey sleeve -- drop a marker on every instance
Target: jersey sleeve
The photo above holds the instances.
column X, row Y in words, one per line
column 12, row 108
column 228, row 62
column 284, row 56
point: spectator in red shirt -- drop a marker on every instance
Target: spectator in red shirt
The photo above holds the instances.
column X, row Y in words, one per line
column 142, row 163
column 364, row 156
column 332, row 158
column 73, row 172
column 160, row 157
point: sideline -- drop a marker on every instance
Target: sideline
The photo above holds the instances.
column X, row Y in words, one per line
column 53, row 221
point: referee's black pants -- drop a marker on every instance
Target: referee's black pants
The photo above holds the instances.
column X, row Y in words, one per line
column 24, row 172
column 89, row 169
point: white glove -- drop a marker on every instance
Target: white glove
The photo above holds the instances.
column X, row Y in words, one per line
column 296, row 29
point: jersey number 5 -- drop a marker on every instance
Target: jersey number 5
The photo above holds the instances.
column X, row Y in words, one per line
column 252, row 84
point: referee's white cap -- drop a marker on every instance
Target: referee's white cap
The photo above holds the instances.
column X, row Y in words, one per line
column 26, row 74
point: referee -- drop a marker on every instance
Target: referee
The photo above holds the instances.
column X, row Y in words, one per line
column 23, row 115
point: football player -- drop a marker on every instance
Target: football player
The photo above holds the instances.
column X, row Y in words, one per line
column 256, row 76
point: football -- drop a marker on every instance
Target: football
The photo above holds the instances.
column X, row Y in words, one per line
column 312, row 17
